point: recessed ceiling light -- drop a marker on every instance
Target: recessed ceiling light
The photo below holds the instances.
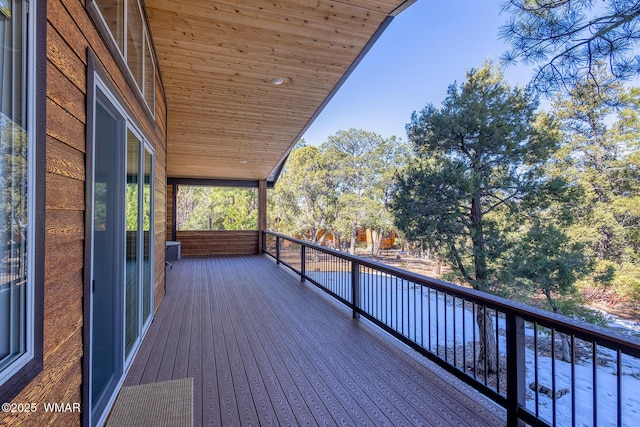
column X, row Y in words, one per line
column 277, row 80
column 244, row 162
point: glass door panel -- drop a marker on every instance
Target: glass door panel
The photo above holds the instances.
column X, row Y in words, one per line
column 106, row 359
column 132, row 213
column 147, row 226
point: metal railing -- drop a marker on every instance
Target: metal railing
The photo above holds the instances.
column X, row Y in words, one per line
column 593, row 377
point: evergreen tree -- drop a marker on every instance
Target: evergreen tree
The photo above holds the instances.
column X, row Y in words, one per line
column 478, row 157
column 602, row 161
column 569, row 39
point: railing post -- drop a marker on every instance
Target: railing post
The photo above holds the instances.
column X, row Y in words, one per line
column 355, row 288
column 516, row 369
column 277, row 249
column 303, row 263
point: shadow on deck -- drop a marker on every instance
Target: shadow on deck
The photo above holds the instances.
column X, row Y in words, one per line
column 264, row 348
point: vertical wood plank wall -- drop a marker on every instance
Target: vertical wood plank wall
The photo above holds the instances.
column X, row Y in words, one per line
column 70, row 32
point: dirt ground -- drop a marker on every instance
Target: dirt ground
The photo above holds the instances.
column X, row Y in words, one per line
column 399, row 259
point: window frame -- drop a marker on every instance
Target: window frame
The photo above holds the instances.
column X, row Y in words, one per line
column 17, row 375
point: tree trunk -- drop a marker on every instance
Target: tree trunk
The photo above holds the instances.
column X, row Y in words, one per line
column 487, row 341
column 354, row 240
column 488, row 353
column 479, row 252
column 565, row 341
column 376, row 242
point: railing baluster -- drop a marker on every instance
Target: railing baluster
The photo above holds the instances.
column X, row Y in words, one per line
column 553, row 377
column 421, row 315
column 446, row 356
column 594, row 362
column 484, row 337
column 619, row 386
column 535, row 368
column 429, row 318
column 475, row 358
column 437, row 325
column 573, row 380
column 395, row 303
column 402, row 316
column 464, row 335
column 303, row 263
column 381, row 300
column 497, row 329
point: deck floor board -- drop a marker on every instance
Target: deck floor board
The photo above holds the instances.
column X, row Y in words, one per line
column 264, row 348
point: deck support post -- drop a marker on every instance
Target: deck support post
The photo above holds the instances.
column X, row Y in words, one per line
column 355, row 288
column 516, row 369
column 174, row 212
column 277, row 249
column 262, row 213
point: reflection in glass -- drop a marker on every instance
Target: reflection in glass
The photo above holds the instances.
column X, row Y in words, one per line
column 113, row 13
column 135, row 31
column 149, row 76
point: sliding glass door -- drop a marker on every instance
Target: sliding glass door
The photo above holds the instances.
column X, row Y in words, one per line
column 121, row 253
column 107, row 254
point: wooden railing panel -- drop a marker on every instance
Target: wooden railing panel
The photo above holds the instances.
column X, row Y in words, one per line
column 209, row 243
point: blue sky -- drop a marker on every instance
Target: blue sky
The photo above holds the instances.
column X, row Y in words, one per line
column 424, row 50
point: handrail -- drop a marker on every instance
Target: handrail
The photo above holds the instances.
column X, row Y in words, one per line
column 367, row 287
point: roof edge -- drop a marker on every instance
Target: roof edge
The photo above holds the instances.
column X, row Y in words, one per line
column 275, row 173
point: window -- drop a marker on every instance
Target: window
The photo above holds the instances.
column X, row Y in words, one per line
column 216, row 208
column 125, row 21
column 113, row 14
column 19, row 349
column 135, row 29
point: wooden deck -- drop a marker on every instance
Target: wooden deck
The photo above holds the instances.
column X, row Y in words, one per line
column 265, row 349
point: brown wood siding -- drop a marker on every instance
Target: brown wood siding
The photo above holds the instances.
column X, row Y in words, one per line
column 70, row 32
column 208, row 243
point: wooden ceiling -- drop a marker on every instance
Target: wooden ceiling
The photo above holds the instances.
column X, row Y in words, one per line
column 226, row 119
